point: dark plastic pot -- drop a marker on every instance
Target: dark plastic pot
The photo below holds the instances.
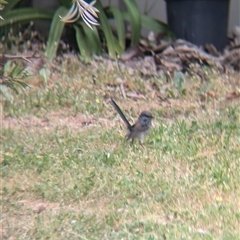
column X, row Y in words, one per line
column 199, row 21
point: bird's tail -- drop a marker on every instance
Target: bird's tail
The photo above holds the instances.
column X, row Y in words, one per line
column 117, row 108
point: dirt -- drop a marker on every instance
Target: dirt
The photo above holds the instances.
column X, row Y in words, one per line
column 52, row 121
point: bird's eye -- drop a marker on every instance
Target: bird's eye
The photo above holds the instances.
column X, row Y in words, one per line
column 145, row 118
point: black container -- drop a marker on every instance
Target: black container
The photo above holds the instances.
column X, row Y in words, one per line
column 199, row 21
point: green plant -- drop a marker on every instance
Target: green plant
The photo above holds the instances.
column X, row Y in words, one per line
column 12, row 15
column 13, row 78
column 1, row 7
column 67, row 170
column 90, row 40
column 3, row 2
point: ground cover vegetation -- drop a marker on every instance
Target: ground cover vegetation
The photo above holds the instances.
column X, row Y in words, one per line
column 67, row 172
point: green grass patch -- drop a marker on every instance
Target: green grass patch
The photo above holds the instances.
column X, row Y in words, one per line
column 67, row 172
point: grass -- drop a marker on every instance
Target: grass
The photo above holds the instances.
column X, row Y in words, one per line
column 67, row 172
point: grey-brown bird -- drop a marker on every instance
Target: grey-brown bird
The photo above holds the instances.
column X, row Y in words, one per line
column 140, row 128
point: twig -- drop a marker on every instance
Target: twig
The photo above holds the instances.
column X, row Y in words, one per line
column 5, row 57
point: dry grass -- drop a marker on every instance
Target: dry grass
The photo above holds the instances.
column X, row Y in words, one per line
column 68, row 174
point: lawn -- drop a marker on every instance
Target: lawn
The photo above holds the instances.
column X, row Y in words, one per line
column 68, row 173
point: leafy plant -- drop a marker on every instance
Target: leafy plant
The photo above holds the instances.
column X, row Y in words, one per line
column 12, row 15
column 178, row 82
column 3, row 2
column 13, row 78
column 89, row 41
column 1, row 7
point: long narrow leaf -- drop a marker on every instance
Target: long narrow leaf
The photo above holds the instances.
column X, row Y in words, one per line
column 3, row 2
column 114, row 47
column 24, row 14
column 117, row 15
column 153, row 24
column 82, row 42
column 135, row 20
column 93, row 39
column 148, row 22
column 9, row 6
column 55, row 33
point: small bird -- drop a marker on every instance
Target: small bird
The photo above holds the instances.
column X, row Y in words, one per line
column 140, row 128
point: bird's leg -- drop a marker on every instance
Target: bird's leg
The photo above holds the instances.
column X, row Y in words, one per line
column 141, row 143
